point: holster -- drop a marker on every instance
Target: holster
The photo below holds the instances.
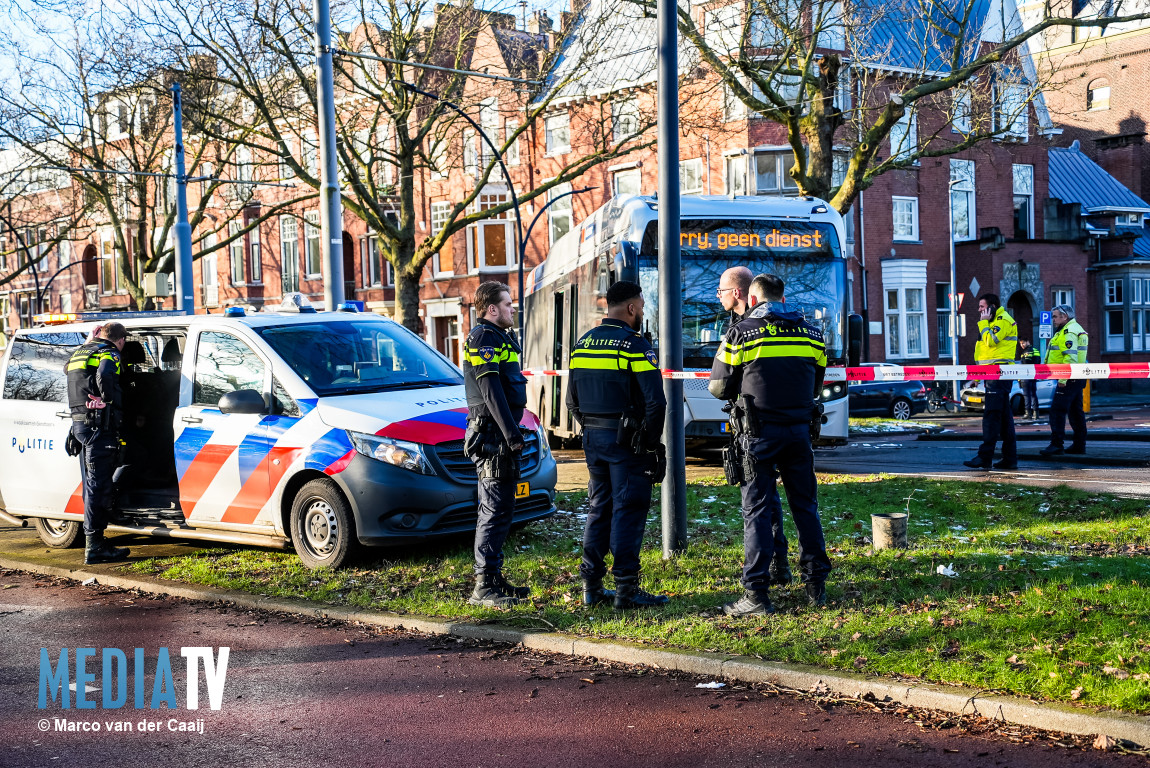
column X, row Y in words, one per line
column 482, row 439
column 72, row 446
column 502, row 465
column 817, row 420
column 733, row 463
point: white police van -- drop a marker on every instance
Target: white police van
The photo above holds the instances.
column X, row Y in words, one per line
column 312, row 430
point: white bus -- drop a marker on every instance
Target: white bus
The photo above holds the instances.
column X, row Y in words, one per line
column 798, row 239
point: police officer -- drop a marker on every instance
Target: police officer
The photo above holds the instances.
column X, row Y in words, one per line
column 96, row 405
column 735, row 292
column 1068, row 346
column 775, row 362
column 615, row 391
column 997, row 345
column 496, row 396
column 739, row 293
column 1028, row 355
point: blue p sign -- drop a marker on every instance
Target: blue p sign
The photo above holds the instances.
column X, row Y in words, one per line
column 1045, row 319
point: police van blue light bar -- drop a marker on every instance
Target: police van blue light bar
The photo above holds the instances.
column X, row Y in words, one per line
column 350, row 306
column 235, row 312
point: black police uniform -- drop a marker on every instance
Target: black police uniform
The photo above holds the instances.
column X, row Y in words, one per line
column 93, row 375
column 780, row 570
column 775, row 361
column 496, row 397
column 615, row 377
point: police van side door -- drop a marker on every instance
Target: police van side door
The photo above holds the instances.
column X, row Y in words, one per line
column 36, row 474
column 219, row 456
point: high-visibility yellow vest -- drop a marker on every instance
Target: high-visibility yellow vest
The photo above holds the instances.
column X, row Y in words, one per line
column 998, row 339
column 1069, row 344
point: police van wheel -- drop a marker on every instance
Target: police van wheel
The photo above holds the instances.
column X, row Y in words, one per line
column 60, row 534
column 321, row 525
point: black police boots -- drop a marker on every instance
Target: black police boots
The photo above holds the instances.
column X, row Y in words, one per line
column 780, row 572
column 754, row 602
column 492, row 591
column 519, row 592
column 595, row 594
column 98, row 550
column 629, row 595
column 816, row 592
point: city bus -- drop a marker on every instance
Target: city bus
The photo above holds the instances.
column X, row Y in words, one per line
column 798, row 239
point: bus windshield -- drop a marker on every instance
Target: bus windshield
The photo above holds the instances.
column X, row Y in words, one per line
column 805, row 255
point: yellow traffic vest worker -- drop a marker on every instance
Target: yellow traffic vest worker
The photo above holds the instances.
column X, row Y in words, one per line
column 997, row 344
column 1068, row 346
column 997, row 339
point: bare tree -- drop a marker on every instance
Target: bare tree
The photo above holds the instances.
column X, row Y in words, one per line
column 845, row 78
column 391, row 140
column 95, row 89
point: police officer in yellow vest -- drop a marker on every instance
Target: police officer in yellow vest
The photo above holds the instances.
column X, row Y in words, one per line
column 1068, row 346
column 997, row 345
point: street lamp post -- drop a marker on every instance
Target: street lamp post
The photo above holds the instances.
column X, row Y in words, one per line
column 41, row 292
column 527, row 237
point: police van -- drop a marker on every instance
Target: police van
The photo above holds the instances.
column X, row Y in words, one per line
column 315, row 430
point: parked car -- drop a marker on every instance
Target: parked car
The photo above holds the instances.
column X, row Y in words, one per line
column 973, row 395
column 897, row 399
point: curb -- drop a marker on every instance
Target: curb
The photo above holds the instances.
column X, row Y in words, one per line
column 1108, row 436
column 958, row 700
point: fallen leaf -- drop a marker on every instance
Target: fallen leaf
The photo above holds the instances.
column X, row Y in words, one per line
column 1076, row 694
column 859, row 662
column 835, row 652
column 856, row 636
column 1117, row 672
column 1104, row 742
column 587, row 680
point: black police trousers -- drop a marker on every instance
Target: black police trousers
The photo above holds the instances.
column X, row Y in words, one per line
column 618, row 499
column 97, row 465
column 1068, row 401
column 496, row 509
column 782, row 451
column 998, row 423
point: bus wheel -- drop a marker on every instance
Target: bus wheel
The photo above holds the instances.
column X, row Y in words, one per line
column 59, row 534
column 321, row 525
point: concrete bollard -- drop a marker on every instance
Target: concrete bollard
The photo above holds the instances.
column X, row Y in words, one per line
column 888, row 531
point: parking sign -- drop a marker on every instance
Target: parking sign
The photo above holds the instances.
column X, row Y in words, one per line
column 1045, row 326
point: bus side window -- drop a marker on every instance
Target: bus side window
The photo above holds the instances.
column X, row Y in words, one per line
column 604, row 276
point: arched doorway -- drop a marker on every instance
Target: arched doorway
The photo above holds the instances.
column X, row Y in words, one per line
column 348, row 266
column 1024, row 310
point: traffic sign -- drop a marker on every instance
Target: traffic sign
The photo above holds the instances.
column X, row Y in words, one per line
column 1045, row 326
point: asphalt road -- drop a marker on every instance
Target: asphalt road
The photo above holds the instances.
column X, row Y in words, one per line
column 301, row 692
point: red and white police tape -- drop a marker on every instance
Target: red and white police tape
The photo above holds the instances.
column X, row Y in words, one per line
column 947, row 372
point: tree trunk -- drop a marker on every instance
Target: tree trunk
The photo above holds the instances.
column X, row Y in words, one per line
column 407, row 299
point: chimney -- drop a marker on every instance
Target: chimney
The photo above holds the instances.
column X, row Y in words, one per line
column 539, row 23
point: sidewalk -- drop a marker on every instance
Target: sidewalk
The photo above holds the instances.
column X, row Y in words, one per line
column 1110, row 450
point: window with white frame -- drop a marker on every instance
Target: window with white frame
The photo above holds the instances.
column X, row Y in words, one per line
column 289, row 253
column 64, row 252
column 765, row 33
column 691, row 176
column 109, row 264
column 1061, row 296
column 511, row 153
column 441, row 263
column 236, row 252
column 369, row 256
column 490, row 243
column 905, row 214
column 624, row 119
column 962, row 200
column 1023, row 201
column 560, row 216
column 285, row 171
column 470, row 157
column 904, row 136
column 557, row 134
column 736, row 167
column 312, row 253
column 904, row 308
column 309, row 143
column 207, row 170
column 1011, row 103
column 942, row 315
column 628, row 182
column 1114, row 298
column 1098, row 95
column 773, row 173
column 961, row 117
column 723, row 28
column 489, row 122
column 383, row 151
column 438, row 160
column 1128, row 220
column 256, row 268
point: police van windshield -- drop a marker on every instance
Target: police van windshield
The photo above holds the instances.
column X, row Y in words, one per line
column 354, row 356
column 805, row 255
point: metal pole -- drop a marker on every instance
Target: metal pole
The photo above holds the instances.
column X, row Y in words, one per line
column 331, row 212
column 185, row 299
column 953, row 283
column 527, row 236
column 674, row 497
